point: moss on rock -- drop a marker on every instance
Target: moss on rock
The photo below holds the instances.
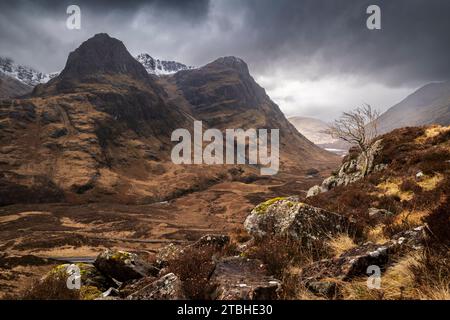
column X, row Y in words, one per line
column 262, row 207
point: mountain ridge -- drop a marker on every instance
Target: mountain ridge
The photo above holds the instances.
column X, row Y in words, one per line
column 429, row 104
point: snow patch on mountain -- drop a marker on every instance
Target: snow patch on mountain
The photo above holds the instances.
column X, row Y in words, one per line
column 161, row 67
column 24, row 74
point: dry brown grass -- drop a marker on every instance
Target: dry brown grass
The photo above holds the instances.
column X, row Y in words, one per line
column 430, row 183
column 397, row 283
column 391, row 187
column 376, row 234
column 432, row 274
column 281, row 253
column 340, row 244
column 430, row 133
column 194, row 268
column 51, row 288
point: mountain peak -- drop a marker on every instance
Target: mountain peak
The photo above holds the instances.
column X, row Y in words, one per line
column 102, row 54
column 233, row 63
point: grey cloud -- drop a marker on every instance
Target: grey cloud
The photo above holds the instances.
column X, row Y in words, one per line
column 304, row 40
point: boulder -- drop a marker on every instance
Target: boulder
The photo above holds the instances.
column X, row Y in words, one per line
column 90, row 276
column 328, row 289
column 123, row 266
column 238, row 278
column 92, row 283
column 216, row 241
column 167, row 253
column 132, row 286
column 354, row 169
column 296, row 220
column 355, row 262
column 168, row 287
column 314, row 191
column 378, row 214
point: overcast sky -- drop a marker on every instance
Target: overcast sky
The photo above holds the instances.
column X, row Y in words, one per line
column 314, row 57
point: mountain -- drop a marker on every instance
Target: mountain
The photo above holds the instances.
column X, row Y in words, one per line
column 313, row 129
column 101, row 129
column 11, row 87
column 30, row 77
column 428, row 105
column 160, row 67
column 24, row 74
column 224, row 95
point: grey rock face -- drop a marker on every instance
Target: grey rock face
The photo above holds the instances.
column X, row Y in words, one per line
column 355, row 262
column 168, row 287
column 238, row 278
column 351, row 171
column 296, row 220
column 378, row 214
column 123, row 266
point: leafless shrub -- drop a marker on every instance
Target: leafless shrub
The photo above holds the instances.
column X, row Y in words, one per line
column 358, row 127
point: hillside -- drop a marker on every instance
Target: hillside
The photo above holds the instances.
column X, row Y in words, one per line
column 85, row 159
column 428, row 105
column 313, row 129
column 224, row 95
column 10, row 87
column 101, row 129
column 393, row 221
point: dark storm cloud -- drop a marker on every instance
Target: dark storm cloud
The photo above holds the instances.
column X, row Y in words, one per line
column 322, row 43
column 34, row 32
column 315, row 37
column 413, row 42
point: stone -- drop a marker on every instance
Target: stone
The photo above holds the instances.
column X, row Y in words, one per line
column 216, row 241
column 169, row 287
column 167, row 253
column 354, row 168
column 420, row 175
column 132, row 286
column 355, row 262
column 295, row 220
column 239, row 278
column 313, row 191
column 376, row 214
column 326, row 289
column 123, row 266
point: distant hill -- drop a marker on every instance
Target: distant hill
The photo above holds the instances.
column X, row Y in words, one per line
column 428, row 105
column 11, row 87
column 313, row 128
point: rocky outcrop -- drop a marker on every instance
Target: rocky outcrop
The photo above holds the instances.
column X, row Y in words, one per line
column 379, row 214
column 354, row 168
column 92, row 282
column 238, row 278
column 168, row 287
column 167, row 253
column 355, row 262
column 217, row 241
column 296, row 220
column 124, row 266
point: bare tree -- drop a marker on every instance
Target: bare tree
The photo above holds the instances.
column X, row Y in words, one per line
column 357, row 127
